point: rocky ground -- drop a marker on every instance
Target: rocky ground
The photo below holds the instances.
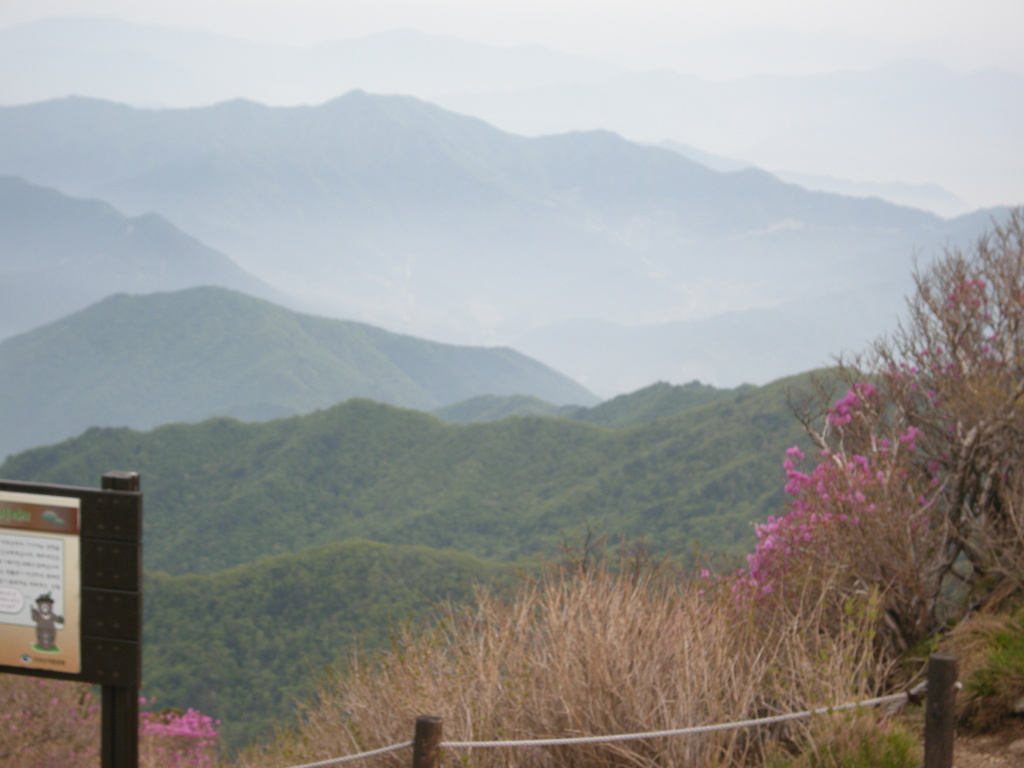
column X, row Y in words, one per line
column 1002, row 749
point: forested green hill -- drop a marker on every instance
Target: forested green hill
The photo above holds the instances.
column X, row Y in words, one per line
column 498, row 407
column 188, row 355
column 654, row 402
column 247, row 643
column 641, row 407
column 222, row 493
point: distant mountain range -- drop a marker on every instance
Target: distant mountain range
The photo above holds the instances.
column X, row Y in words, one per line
column 155, row 66
column 908, row 122
column 727, row 348
column 60, row 254
column 392, row 211
column 142, row 361
column 929, row 197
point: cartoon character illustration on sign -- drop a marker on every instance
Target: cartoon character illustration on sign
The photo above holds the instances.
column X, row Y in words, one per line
column 46, row 623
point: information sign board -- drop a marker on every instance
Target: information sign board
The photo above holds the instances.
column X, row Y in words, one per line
column 71, row 580
column 71, row 595
column 40, row 586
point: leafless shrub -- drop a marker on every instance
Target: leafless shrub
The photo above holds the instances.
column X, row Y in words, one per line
column 594, row 653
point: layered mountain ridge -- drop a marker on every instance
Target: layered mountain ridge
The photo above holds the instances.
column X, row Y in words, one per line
column 189, row 355
column 59, row 254
column 388, row 210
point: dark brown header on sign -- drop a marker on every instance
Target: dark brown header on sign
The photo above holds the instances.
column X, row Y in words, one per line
column 43, row 513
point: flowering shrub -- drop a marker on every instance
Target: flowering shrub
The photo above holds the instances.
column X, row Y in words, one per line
column 915, row 490
column 854, row 525
column 177, row 739
column 45, row 722
column 51, row 722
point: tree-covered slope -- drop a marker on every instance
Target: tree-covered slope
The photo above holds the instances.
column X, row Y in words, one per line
column 146, row 360
column 245, row 644
column 654, row 402
column 222, row 493
column 641, row 407
column 495, row 408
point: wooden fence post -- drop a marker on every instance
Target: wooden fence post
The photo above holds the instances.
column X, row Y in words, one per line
column 940, row 712
column 425, row 744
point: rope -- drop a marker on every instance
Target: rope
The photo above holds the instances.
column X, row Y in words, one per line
column 674, row 732
column 621, row 736
column 360, row 756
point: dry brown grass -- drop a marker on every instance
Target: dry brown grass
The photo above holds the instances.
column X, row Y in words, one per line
column 593, row 653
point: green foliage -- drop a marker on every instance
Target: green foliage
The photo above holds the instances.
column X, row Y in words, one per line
column 990, row 653
column 858, row 744
column 246, row 644
column 503, row 489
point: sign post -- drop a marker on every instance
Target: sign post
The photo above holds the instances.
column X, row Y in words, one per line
column 71, row 594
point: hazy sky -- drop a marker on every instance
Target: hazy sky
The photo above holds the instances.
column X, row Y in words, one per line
column 710, row 37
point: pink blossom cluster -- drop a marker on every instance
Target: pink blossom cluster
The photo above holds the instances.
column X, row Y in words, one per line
column 48, row 721
column 857, row 396
column 830, row 501
column 184, row 739
column 58, row 723
column 909, row 438
column 832, row 494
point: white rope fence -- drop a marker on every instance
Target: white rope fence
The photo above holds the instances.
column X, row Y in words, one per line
column 360, row 756
column 892, row 699
column 676, row 731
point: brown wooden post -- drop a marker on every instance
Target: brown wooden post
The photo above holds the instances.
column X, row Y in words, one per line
column 119, row 723
column 940, row 712
column 119, row 726
column 426, row 742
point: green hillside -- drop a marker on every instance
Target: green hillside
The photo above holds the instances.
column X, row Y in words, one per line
column 641, row 407
column 496, row 408
column 246, row 644
column 141, row 361
column 655, row 402
column 223, row 493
